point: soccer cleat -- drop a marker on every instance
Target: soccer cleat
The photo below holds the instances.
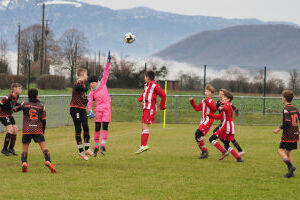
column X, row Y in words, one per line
column 96, row 150
column 142, row 149
column 24, row 167
column 102, row 150
column 224, row 155
column 291, row 172
column 83, row 156
column 12, row 151
column 5, row 152
column 240, row 160
column 50, row 166
column 204, row 155
column 89, row 152
column 241, row 153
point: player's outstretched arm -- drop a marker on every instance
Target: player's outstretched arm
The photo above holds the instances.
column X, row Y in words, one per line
column 195, row 106
column 236, row 110
column 106, row 70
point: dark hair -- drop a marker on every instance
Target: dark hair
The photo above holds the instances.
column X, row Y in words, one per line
column 150, row 75
column 93, row 78
column 15, row 85
column 288, row 95
column 228, row 95
column 80, row 71
column 32, row 94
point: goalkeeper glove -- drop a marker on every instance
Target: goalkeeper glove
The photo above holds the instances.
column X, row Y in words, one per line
column 91, row 114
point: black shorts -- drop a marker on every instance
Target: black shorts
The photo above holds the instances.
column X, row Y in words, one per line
column 288, row 145
column 6, row 121
column 26, row 138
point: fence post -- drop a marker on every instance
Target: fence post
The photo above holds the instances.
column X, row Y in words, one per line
column 242, row 110
column 265, row 87
column 204, row 79
column 61, row 110
column 29, row 71
column 176, row 109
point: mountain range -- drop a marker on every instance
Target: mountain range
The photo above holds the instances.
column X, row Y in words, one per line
column 105, row 28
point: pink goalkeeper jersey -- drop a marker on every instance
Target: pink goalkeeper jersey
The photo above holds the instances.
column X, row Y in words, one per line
column 100, row 94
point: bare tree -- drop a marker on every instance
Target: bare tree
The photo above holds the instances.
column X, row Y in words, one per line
column 3, row 56
column 73, row 44
column 294, row 80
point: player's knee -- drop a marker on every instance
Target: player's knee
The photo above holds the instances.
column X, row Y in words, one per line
column 105, row 126
column 198, row 135
column 212, row 138
column 97, row 126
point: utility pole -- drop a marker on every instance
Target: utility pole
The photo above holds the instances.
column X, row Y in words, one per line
column 43, row 33
column 46, row 70
column 19, row 48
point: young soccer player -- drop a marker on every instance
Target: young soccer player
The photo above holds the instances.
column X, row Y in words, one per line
column 290, row 135
column 7, row 105
column 218, row 105
column 34, row 124
column 99, row 94
column 151, row 90
column 79, row 115
column 206, row 105
column 227, row 131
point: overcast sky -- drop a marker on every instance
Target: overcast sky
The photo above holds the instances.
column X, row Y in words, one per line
column 267, row 10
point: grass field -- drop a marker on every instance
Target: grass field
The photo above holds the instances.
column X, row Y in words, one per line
column 170, row 170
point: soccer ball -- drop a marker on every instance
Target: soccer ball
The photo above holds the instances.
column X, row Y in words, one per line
column 129, row 38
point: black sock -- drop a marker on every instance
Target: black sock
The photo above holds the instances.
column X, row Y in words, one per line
column 79, row 142
column 6, row 141
column 24, row 157
column 237, row 146
column 47, row 155
column 13, row 139
column 288, row 163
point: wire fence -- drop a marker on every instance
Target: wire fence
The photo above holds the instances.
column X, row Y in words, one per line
column 125, row 108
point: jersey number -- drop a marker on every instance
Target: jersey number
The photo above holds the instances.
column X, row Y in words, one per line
column 33, row 115
column 295, row 120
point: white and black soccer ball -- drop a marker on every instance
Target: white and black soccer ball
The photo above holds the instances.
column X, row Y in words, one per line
column 129, row 38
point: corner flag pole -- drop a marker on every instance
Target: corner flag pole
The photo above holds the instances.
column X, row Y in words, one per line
column 165, row 111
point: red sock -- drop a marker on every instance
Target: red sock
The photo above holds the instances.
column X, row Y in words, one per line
column 234, row 153
column 144, row 137
column 202, row 145
column 218, row 146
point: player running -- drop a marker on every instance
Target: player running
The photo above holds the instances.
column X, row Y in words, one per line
column 7, row 105
column 34, row 124
column 227, row 130
column 79, row 115
column 99, row 94
column 218, row 105
column 206, row 105
column 151, row 90
column 290, row 134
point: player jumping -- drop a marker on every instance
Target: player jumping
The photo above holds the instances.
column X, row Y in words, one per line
column 227, row 130
column 79, row 115
column 290, row 134
column 7, row 105
column 34, row 124
column 99, row 94
column 151, row 90
column 206, row 105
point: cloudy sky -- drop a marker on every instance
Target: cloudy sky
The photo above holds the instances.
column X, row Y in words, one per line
column 267, row 10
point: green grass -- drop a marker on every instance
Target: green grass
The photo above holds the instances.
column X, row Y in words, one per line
column 170, row 170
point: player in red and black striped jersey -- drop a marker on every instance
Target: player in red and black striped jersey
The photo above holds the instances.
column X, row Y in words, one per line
column 290, row 134
column 34, row 124
column 7, row 105
column 218, row 105
column 79, row 115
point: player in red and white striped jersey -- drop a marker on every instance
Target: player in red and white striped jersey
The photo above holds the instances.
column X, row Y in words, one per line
column 207, row 105
column 150, row 93
column 227, row 130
